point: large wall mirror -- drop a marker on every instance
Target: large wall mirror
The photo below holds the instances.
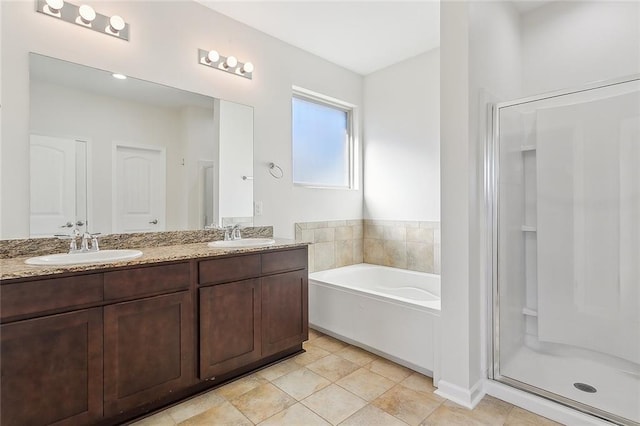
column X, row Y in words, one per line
column 117, row 155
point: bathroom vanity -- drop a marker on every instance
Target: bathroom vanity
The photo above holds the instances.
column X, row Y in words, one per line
column 106, row 344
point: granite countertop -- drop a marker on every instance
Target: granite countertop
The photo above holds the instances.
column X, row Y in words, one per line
column 16, row 268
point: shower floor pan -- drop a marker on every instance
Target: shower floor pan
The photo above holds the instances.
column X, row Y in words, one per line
column 617, row 392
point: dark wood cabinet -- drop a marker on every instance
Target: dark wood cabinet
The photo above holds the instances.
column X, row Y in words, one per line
column 230, row 317
column 244, row 320
column 148, row 350
column 52, row 370
column 284, row 311
column 106, row 346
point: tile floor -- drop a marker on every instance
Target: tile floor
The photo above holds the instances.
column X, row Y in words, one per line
column 334, row 383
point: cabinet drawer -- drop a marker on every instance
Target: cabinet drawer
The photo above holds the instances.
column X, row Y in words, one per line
column 49, row 295
column 145, row 281
column 288, row 260
column 228, row 269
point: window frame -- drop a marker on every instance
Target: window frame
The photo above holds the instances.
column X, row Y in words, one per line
column 351, row 111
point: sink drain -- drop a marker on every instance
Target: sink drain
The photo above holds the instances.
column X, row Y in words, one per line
column 585, row 387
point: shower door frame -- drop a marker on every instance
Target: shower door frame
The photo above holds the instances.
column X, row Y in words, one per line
column 492, row 202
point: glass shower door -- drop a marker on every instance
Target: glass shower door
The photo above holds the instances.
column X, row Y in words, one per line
column 567, row 282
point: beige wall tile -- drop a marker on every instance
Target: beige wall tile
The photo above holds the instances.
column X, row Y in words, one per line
column 323, row 235
column 373, row 251
column 436, row 251
column 316, row 225
column 420, row 235
column 420, row 257
column 344, row 253
column 358, row 231
column 395, row 233
column 324, row 256
column 358, row 251
column 355, row 222
column 312, row 258
column 344, row 233
column 307, row 236
column 431, row 225
column 336, row 223
column 395, row 254
column 373, row 232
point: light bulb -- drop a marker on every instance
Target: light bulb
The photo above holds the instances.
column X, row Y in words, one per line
column 212, row 56
column 55, row 5
column 87, row 14
column 231, row 62
column 247, row 68
column 116, row 23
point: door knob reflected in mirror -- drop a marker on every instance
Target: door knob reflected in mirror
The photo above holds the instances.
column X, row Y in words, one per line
column 67, row 225
column 154, row 222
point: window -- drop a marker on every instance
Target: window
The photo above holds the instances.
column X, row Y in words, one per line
column 322, row 141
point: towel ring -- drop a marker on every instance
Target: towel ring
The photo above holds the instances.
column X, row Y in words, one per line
column 275, row 170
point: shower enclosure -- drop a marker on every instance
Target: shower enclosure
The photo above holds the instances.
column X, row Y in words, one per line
column 564, row 186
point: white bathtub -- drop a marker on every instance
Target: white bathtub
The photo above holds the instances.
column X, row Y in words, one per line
column 392, row 312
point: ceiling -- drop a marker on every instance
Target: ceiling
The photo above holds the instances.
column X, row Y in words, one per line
column 362, row 36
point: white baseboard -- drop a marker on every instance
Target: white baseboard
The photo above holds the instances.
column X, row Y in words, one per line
column 468, row 398
column 541, row 406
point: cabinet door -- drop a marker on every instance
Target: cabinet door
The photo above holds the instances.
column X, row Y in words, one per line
column 284, row 311
column 229, row 327
column 148, row 350
column 52, row 370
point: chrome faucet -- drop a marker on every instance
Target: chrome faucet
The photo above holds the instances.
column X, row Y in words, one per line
column 232, row 233
column 84, row 245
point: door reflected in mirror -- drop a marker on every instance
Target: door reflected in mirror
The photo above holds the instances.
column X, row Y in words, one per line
column 133, row 156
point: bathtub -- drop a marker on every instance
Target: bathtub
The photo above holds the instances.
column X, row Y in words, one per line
column 392, row 312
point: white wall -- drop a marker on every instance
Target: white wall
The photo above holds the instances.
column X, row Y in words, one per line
column 402, row 140
column 480, row 61
column 566, row 44
column 165, row 37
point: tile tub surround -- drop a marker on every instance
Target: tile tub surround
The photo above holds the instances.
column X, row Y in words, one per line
column 409, row 245
column 335, row 383
column 333, row 243
column 41, row 246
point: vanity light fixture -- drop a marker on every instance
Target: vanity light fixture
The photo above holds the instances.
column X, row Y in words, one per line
column 119, row 76
column 53, row 7
column 230, row 64
column 84, row 16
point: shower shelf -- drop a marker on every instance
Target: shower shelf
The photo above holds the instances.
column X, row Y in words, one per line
column 525, row 148
column 527, row 228
column 530, row 312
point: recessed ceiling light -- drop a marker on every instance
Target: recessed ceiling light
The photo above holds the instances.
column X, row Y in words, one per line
column 119, row 76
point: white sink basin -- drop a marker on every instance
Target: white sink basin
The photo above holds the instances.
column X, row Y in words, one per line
column 242, row 243
column 102, row 256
